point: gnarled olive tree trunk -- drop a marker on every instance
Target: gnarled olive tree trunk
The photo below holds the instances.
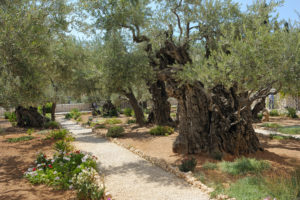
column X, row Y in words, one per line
column 53, row 111
column 138, row 111
column 29, row 117
column 213, row 121
column 161, row 109
column 259, row 106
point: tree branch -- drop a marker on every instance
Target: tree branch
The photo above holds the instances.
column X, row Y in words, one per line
column 178, row 19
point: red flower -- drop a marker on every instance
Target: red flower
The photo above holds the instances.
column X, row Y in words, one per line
column 50, row 166
column 78, row 151
column 34, row 169
column 45, row 156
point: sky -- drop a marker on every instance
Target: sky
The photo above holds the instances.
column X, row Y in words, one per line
column 287, row 11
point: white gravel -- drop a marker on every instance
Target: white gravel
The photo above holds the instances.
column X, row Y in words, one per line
column 269, row 132
column 128, row 176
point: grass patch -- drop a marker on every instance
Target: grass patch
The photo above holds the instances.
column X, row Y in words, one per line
column 58, row 134
column 188, row 165
column 271, row 125
column 274, row 113
column 161, row 130
column 113, row 121
column 20, row 139
column 209, row 165
column 277, row 137
column 244, row 166
column 99, row 126
column 51, row 125
column 116, row 131
column 248, row 188
column 292, row 130
column 131, row 121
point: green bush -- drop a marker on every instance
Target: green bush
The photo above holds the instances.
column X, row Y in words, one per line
column 99, row 126
column 11, row 116
column 58, row 134
column 116, row 131
column 161, row 130
column 67, row 171
column 68, row 116
column 244, row 166
column 188, row 165
column 20, row 139
column 75, row 113
column 127, row 112
column 63, row 146
column 51, row 125
column 217, row 155
column 131, row 121
column 292, row 112
column 274, row 113
column 113, row 121
column 209, row 165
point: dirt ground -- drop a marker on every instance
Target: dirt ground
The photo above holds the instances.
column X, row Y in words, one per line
column 15, row 159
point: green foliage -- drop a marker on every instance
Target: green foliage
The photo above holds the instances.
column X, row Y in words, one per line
column 244, row 166
column 48, row 108
column 11, row 116
column 116, row 131
column 99, row 126
column 209, row 165
column 51, row 125
column 63, row 146
column 127, row 112
column 113, row 121
column 188, row 165
column 74, row 114
column 260, row 116
column 19, row 139
column 249, row 188
column 292, row 112
column 292, row 130
column 131, row 121
column 162, row 130
column 7, row 115
column 30, row 131
column 58, row 134
column 67, row 171
column 276, row 137
column 68, row 116
column 271, row 125
column 274, row 113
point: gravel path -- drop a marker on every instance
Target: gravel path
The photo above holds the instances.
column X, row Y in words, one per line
column 269, row 132
column 127, row 176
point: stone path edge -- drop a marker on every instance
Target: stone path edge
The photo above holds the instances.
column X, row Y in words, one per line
column 188, row 177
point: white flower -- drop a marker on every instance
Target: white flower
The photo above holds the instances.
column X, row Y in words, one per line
column 38, row 165
column 67, row 158
column 71, row 187
column 57, row 178
column 52, row 160
column 55, row 172
column 30, row 169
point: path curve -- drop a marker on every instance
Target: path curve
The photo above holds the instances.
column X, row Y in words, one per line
column 128, row 176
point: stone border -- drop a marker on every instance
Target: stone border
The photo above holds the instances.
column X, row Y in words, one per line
column 188, row 177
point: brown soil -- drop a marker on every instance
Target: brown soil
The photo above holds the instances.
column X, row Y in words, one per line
column 15, row 159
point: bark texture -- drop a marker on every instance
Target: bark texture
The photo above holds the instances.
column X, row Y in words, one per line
column 29, row 117
column 53, row 111
column 138, row 111
column 214, row 121
column 258, row 107
column 161, row 109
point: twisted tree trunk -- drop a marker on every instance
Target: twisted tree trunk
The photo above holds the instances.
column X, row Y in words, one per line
column 29, row 117
column 259, row 106
column 161, row 109
column 53, row 111
column 138, row 111
column 214, row 121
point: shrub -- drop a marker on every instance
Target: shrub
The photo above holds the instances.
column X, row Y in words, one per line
column 161, row 130
column 244, row 165
column 20, row 139
column 116, row 131
column 188, row 165
column 209, row 165
column 99, row 126
column 274, row 113
column 75, row 113
column 63, row 146
column 127, row 112
column 58, row 134
column 67, row 171
column 131, row 121
column 11, row 116
column 113, row 121
column 6, row 115
column 68, row 116
column 30, row 131
column 86, row 185
column 51, row 125
column 292, row 112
